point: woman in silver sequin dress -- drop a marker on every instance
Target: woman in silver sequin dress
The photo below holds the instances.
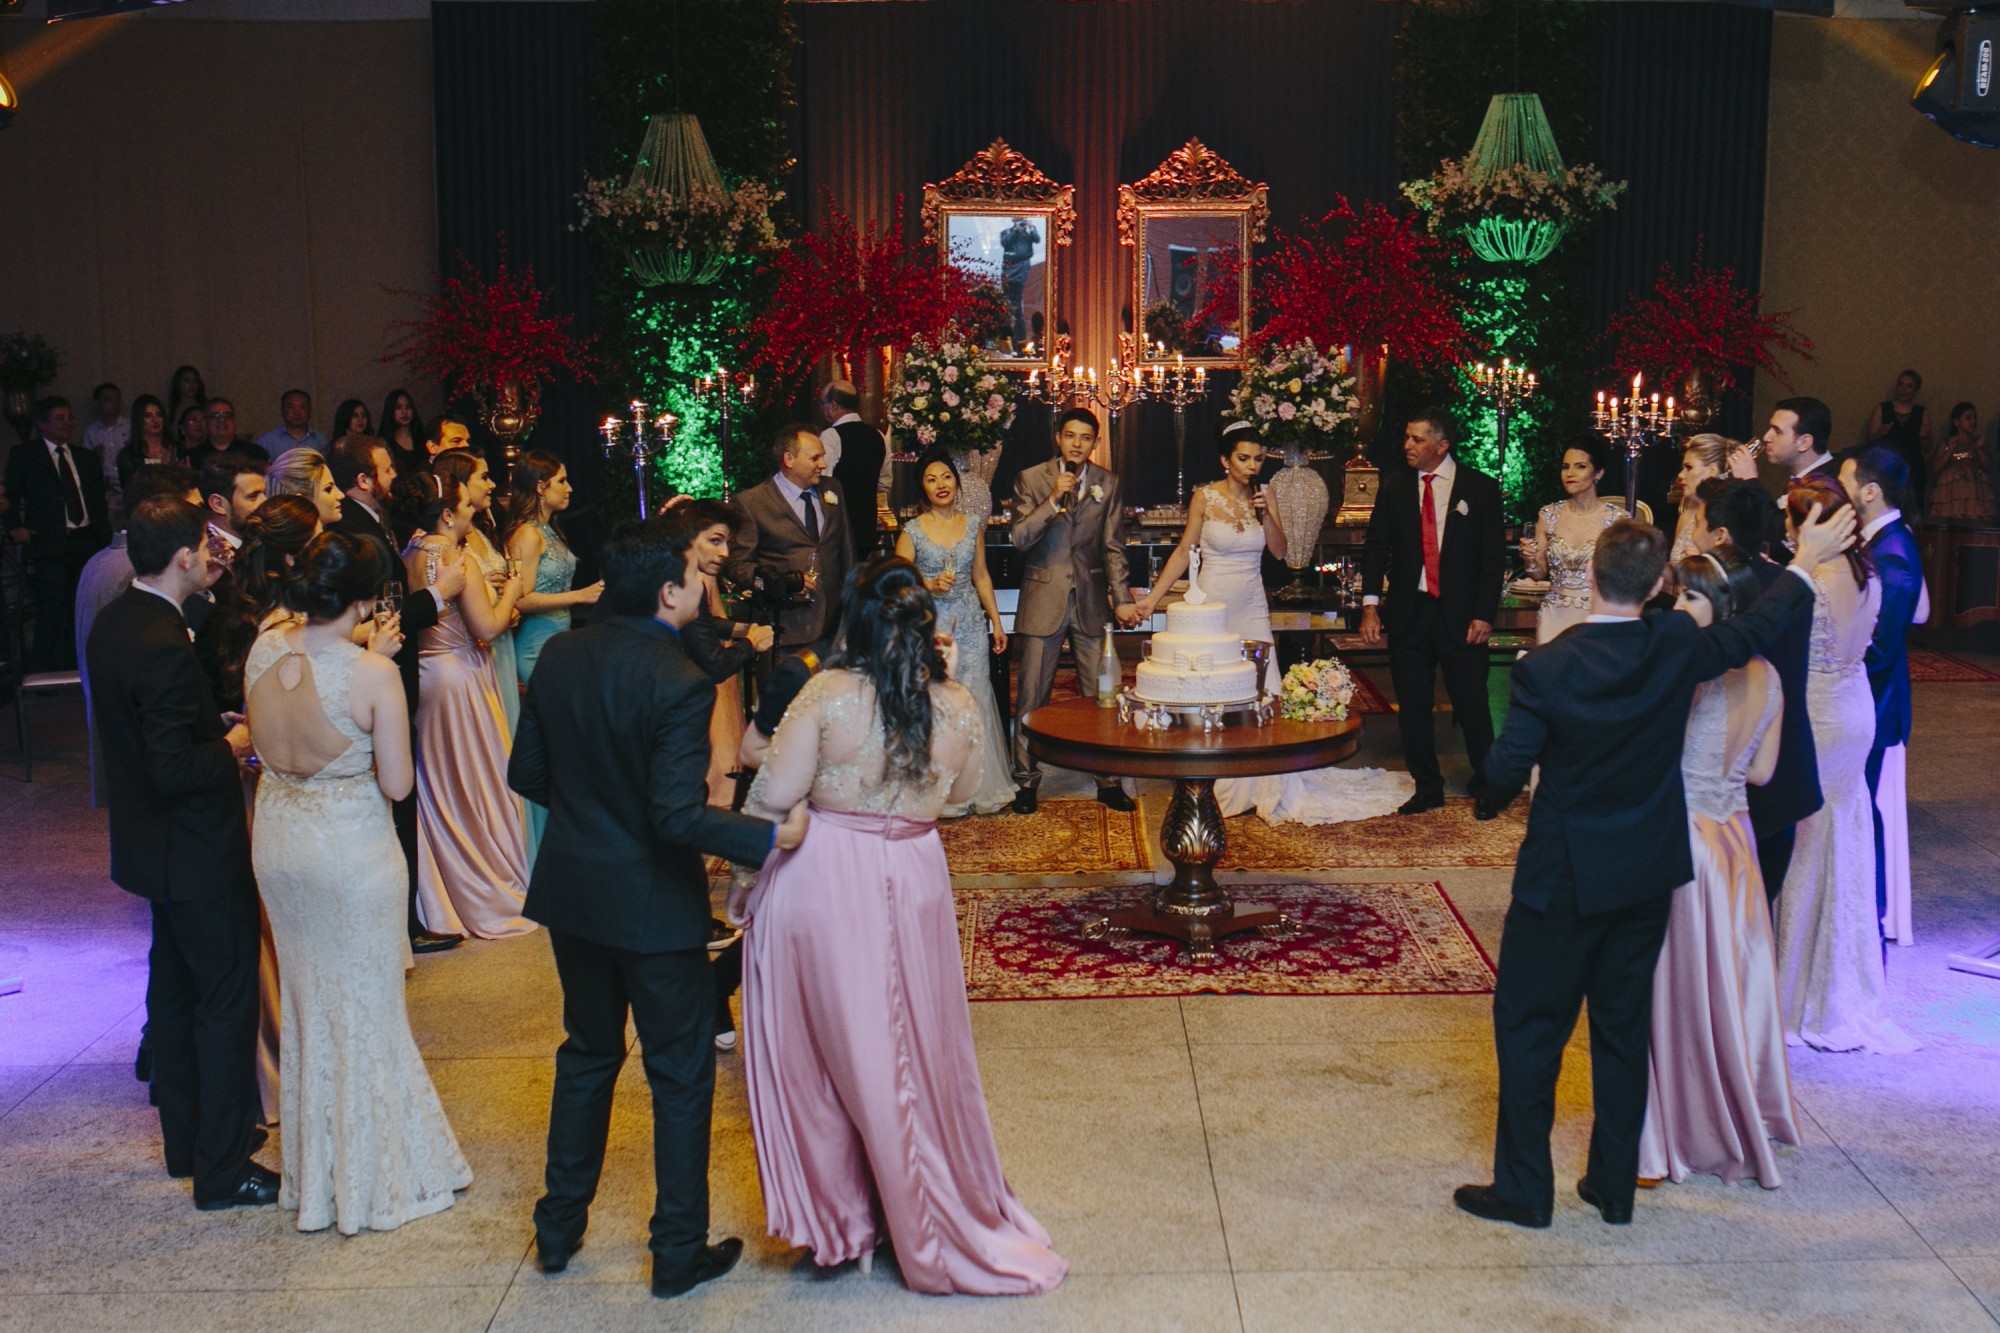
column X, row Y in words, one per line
column 1565, row 535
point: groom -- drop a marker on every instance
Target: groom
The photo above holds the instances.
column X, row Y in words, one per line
column 614, row 741
column 1069, row 527
column 1603, row 709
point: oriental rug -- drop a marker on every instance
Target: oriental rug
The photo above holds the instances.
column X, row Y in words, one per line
column 1353, row 939
column 1447, row 838
column 1073, row 837
column 1931, row 667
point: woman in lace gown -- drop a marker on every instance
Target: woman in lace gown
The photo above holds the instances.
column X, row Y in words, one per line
column 1232, row 522
column 365, row 1140
column 865, row 1096
column 472, row 866
column 948, row 547
column 1565, row 535
column 541, row 491
column 1830, row 967
column 1720, row 1090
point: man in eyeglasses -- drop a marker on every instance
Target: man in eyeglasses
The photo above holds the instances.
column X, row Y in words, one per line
column 222, row 436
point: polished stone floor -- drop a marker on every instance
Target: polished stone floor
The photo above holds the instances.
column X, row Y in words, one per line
column 1205, row 1164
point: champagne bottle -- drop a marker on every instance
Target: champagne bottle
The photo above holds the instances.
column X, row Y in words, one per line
column 1109, row 674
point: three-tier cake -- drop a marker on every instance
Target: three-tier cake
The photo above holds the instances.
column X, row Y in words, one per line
column 1196, row 660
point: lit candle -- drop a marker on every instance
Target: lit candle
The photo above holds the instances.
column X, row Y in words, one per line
column 1635, row 385
column 1670, row 404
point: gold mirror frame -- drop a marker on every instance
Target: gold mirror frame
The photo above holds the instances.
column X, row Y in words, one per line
column 999, row 180
column 1193, row 182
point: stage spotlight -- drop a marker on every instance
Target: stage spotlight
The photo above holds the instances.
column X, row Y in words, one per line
column 1959, row 93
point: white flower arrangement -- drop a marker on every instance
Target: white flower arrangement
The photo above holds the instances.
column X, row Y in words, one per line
column 722, row 221
column 1292, row 394
column 932, row 403
column 1316, row 691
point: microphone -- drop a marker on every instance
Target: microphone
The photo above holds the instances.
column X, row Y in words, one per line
column 1065, row 503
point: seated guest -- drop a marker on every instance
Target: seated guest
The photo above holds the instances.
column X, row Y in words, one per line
column 222, row 436
column 146, row 444
column 106, row 436
column 335, row 743
column 231, row 488
column 1720, row 1089
column 794, row 547
column 404, row 430
column 184, row 391
column 60, row 514
column 472, row 868
column 1565, row 534
column 179, row 839
column 1962, row 472
column 191, row 435
column 304, row 473
column 352, row 418
column 295, row 408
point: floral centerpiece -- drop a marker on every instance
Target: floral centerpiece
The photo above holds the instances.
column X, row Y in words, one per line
column 27, row 362
column 1316, row 691
column 1295, row 394
column 1457, row 198
column 705, row 219
column 1696, row 334
column 949, row 396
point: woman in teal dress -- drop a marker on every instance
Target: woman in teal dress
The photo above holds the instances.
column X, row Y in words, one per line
column 534, row 542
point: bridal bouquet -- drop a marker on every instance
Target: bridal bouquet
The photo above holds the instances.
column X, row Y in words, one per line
column 1293, row 394
column 1316, row 691
column 948, row 395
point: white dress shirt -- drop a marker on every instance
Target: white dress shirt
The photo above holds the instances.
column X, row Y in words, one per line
column 1875, row 525
column 1446, row 472
column 830, row 437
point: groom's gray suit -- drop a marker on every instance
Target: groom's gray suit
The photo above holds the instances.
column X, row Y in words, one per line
column 1073, row 575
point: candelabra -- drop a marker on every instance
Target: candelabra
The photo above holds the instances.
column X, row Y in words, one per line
column 643, row 440
column 1631, row 426
column 1503, row 385
column 1179, row 386
column 1124, row 387
column 728, row 392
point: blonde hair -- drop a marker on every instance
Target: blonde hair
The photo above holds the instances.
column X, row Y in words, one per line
column 295, row 472
column 1711, row 450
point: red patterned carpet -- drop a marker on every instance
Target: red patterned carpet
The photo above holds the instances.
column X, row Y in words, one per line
column 1078, row 837
column 1931, row 667
column 1354, row 939
column 1450, row 837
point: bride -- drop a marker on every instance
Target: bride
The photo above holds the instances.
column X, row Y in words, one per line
column 1232, row 522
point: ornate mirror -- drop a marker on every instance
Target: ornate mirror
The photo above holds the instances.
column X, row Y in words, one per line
column 1190, row 226
column 1002, row 219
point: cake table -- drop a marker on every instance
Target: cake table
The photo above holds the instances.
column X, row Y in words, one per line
column 1193, row 908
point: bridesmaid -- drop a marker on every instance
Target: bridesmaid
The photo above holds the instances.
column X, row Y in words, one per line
column 472, row 868
column 534, row 542
column 482, row 543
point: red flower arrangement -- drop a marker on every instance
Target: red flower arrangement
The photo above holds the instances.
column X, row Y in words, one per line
column 843, row 291
column 1382, row 281
column 475, row 334
column 1708, row 324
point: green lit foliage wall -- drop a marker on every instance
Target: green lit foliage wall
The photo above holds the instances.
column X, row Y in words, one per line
column 1452, row 56
column 729, row 62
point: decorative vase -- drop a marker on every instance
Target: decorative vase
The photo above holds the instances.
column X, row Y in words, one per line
column 20, row 411
column 509, row 410
column 1299, row 498
column 975, row 482
column 1361, row 479
column 1697, row 399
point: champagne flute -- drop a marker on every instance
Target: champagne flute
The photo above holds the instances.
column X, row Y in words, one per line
column 386, row 609
column 392, row 593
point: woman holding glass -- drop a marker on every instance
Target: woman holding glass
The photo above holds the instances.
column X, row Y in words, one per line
column 1703, row 456
column 1565, row 534
column 482, row 543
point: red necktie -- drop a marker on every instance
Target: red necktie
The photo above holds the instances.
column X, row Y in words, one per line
column 1430, row 537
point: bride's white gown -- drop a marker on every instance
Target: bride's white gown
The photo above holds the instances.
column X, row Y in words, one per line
column 1232, row 553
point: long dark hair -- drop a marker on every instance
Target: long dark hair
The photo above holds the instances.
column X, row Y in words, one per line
column 258, row 579
column 532, row 471
column 175, row 404
column 889, row 635
column 348, row 407
column 460, row 466
column 385, row 425
column 1818, row 490
column 420, row 497
column 1724, row 577
column 137, row 433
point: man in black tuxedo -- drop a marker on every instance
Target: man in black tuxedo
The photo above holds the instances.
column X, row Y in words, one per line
column 794, row 546
column 59, row 515
column 1603, row 709
column 614, row 741
column 857, row 456
column 1438, row 535
column 180, row 840
column 364, row 468
column 1729, row 510
column 1796, row 439
column 1875, row 479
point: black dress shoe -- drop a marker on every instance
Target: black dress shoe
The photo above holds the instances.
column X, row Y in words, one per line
column 1481, row 1201
column 1114, row 798
column 1024, row 801
column 1617, row 1215
column 555, row 1258
column 1422, row 801
column 259, row 1186
column 425, row 941
column 711, row 1263
column 258, row 1138
column 142, row 1062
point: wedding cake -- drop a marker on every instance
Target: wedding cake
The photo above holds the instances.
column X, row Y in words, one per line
column 1196, row 660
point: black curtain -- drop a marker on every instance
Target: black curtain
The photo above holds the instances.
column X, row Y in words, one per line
column 512, row 84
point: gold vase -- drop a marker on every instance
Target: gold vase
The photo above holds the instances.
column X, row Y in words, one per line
column 509, row 410
column 1359, row 478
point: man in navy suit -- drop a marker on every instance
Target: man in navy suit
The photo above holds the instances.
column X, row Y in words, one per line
column 1874, row 479
column 1603, row 709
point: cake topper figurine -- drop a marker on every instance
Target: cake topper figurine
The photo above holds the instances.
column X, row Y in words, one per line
column 1195, row 596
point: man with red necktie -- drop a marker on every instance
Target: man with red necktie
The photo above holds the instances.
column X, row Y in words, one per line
column 1437, row 535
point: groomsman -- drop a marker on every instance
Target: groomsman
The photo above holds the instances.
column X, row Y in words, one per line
column 795, row 546
column 1797, row 439
column 1438, row 536
column 1069, row 525
column 1875, row 478
column 1603, row 709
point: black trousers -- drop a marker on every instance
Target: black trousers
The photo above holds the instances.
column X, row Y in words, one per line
column 671, row 997
column 404, row 813
column 1417, row 653
column 1550, row 963
column 56, row 577
column 1874, row 775
column 1774, row 858
column 201, row 1027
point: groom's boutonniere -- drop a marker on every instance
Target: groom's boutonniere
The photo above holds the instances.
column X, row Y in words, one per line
column 1463, row 508
column 828, row 497
column 1097, row 494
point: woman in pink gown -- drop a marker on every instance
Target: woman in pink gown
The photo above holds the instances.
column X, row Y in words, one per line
column 865, row 1096
column 472, row 860
column 1721, row 1089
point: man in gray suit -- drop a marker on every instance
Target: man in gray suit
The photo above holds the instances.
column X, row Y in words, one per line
column 1069, row 527
column 794, row 544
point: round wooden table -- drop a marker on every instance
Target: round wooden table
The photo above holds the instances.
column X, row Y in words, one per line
column 1193, row 908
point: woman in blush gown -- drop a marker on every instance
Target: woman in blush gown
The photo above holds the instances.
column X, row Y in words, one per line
column 1720, row 1089
column 482, row 543
column 1232, row 522
column 366, row 1142
column 947, row 544
column 1830, row 966
column 472, row 865
column 1565, row 535
column 865, row 1096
